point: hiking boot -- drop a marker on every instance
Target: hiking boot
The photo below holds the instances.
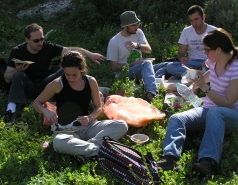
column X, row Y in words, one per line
column 149, row 96
column 205, row 167
column 168, row 162
column 9, row 117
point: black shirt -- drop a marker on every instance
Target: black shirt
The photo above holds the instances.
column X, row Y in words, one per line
column 39, row 70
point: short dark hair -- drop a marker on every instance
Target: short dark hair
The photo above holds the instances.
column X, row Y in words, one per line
column 195, row 8
column 74, row 59
column 31, row 28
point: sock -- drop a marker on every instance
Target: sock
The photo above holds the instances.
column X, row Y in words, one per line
column 11, row 106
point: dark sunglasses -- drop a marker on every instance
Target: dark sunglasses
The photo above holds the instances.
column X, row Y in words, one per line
column 37, row 40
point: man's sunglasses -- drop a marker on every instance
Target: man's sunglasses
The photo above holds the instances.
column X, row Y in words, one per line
column 37, row 40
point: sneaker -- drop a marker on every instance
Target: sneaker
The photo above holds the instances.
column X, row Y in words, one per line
column 168, row 162
column 149, row 96
column 9, row 117
column 205, row 167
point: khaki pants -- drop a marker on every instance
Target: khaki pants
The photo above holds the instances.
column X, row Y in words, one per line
column 87, row 140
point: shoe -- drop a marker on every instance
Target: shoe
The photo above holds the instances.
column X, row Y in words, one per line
column 205, row 167
column 149, row 96
column 168, row 162
column 9, row 117
column 81, row 158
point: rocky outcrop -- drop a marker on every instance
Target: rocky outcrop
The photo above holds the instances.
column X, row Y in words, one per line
column 48, row 9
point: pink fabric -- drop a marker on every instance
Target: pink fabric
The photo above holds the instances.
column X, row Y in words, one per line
column 134, row 111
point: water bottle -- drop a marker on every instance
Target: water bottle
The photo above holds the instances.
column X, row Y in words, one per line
column 185, row 92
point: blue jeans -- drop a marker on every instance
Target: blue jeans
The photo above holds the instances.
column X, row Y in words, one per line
column 216, row 121
column 176, row 69
column 22, row 87
column 160, row 69
column 144, row 71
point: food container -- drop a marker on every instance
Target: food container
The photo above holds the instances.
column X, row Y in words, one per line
column 139, row 138
column 170, row 84
column 158, row 81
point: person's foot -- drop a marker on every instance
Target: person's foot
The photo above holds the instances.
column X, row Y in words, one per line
column 9, row 118
column 168, row 162
column 149, row 96
column 205, row 167
column 81, row 159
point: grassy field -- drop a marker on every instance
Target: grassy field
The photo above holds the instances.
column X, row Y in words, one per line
column 23, row 160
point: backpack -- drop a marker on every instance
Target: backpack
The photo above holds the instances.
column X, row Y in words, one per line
column 127, row 164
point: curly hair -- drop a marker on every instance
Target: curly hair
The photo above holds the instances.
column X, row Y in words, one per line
column 74, row 59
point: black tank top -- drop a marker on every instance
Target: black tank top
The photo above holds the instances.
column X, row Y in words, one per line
column 71, row 103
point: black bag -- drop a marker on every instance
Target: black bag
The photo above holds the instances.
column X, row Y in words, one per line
column 127, row 164
column 3, row 67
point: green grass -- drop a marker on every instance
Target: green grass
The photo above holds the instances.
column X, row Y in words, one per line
column 22, row 158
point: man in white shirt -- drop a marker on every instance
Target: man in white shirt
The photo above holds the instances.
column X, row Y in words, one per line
column 191, row 41
column 127, row 46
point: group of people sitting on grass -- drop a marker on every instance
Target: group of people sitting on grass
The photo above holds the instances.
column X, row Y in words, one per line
column 73, row 89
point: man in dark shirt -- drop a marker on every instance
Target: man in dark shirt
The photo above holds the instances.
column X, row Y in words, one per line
column 28, row 80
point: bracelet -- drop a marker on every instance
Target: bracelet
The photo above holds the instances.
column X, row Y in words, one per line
column 138, row 45
column 207, row 91
column 91, row 117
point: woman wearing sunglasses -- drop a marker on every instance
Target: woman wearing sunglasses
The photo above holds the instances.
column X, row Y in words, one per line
column 219, row 113
column 73, row 92
column 28, row 80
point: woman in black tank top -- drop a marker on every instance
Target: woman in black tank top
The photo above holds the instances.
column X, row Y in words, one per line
column 79, row 133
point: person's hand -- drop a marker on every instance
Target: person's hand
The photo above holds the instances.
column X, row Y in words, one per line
column 84, row 120
column 96, row 56
column 184, row 60
column 51, row 116
column 130, row 45
column 200, row 81
column 21, row 67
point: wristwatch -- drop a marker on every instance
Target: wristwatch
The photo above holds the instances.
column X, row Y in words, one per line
column 207, row 91
column 138, row 45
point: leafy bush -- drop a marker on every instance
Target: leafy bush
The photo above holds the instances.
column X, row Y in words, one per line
column 223, row 14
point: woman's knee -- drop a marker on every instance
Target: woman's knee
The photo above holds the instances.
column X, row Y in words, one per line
column 60, row 142
column 122, row 125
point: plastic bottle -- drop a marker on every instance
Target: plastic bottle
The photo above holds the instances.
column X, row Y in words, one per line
column 185, row 92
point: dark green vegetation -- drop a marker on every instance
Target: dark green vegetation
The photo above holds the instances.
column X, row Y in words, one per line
column 90, row 25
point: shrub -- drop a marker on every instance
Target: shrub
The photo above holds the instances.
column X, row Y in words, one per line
column 223, row 14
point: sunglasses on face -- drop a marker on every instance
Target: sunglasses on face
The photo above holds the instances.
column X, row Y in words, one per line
column 37, row 40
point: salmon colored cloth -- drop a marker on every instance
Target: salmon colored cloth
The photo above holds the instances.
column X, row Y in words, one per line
column 134, row 111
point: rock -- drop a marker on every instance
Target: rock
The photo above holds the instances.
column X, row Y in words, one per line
column 47, row 10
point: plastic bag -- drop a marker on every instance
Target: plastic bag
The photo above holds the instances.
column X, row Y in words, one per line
column 51, row 107
column 134, row 111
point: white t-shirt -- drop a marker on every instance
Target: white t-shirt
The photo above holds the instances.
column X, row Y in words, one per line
column 117, row 51
column 193, row 40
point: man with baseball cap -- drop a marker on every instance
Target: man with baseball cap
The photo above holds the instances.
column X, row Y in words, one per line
column 127, row 46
